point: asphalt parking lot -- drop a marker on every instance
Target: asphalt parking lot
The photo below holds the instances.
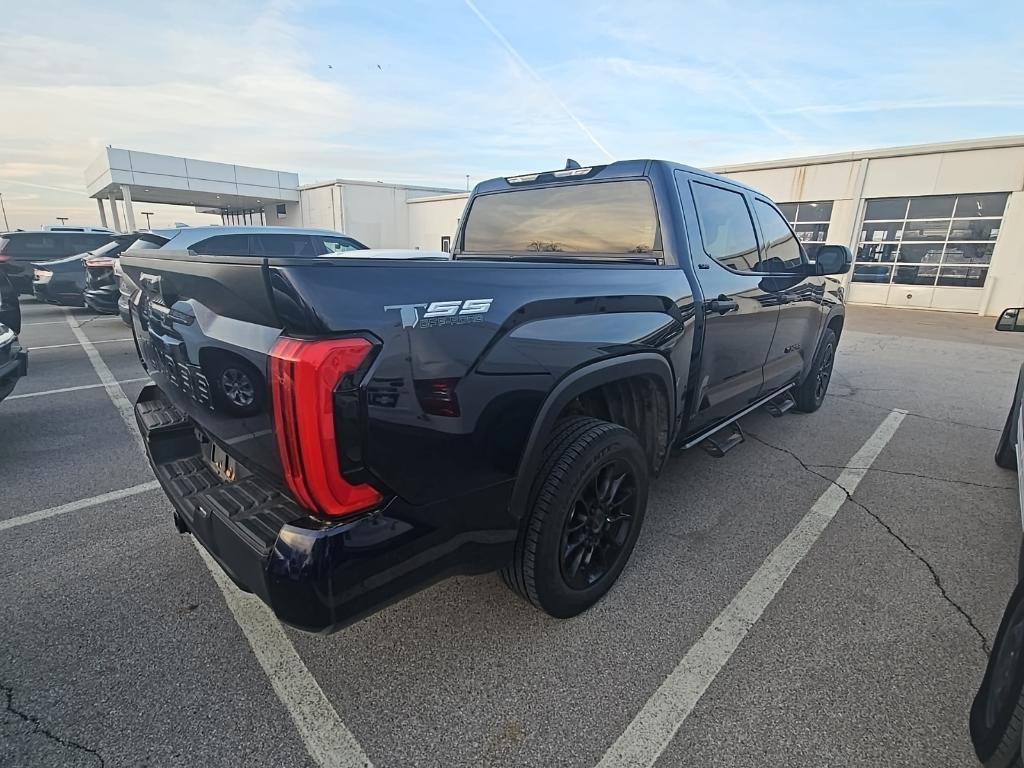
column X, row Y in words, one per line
column 119, row 648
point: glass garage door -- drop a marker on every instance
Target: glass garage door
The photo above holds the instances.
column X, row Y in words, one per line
column 809, row 220
column 929, row 251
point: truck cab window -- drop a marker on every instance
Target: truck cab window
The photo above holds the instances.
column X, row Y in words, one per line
column 726, row 228
column 782, row 251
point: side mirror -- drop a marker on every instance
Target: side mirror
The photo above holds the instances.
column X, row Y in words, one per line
column 1011, row 319
column 832, row 260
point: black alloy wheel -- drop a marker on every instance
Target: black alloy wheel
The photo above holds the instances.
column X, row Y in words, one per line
column 584, row 516
column 810, row 394
column 598, row 524
column 828, row 359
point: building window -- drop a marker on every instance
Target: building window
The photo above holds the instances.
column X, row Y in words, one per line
column 809, row 220
column 944, row 240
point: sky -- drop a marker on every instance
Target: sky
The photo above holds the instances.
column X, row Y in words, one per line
column 428, row 92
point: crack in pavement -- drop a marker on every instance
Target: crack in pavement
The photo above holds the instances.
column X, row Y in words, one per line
column 852, row 399
column 38, row 727
column 916, row 474
column 873, row 515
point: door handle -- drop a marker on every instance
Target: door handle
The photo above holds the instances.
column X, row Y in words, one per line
column 724, row 304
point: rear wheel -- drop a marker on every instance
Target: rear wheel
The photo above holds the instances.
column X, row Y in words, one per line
column 585, row 515
column 812, row 390
column 997, row 714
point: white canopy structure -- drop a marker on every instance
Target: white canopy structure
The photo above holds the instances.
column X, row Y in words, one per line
column 240, row 194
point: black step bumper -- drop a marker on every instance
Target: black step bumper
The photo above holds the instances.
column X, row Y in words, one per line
column 317, row 575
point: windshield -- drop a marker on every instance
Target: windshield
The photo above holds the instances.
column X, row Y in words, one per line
column 609, row 218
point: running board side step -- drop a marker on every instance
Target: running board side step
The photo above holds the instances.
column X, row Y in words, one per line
column 724, row 441
column 701, row 437
column 781, row 404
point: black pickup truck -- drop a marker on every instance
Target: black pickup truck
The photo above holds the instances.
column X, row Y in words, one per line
column 504, row 409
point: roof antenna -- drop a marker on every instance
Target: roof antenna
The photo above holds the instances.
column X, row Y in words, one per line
column 571, row 165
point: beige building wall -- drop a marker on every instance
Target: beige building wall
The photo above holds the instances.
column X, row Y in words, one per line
column 431, row 218
column 985, row 165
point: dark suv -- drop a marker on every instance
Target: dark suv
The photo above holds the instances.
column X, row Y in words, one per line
column 19, row 249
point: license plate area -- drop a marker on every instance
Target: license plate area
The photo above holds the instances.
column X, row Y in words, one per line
column 219, row 461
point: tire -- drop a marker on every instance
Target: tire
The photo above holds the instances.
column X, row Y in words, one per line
column 568, row 516
column 997, row 714
column 236, row 386
column 1006, row 449
column 812, row 390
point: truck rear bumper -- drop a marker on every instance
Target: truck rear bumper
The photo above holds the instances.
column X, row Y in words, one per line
column 318, row 575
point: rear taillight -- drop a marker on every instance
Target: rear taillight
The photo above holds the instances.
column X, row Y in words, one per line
column 4, row 259
column 304, row 376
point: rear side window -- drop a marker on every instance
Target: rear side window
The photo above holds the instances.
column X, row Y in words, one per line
column 328, row 245
column 33, row 245
column 82, row 243
column 782, row 251
column 599, row 219
column 285, row 245
column 223, row 245
column 726, row 228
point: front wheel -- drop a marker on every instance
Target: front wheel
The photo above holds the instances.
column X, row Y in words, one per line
column 997, row 714
column 586, row 510
column 811, row 392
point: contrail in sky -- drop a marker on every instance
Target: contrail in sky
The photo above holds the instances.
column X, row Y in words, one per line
column 530, row 71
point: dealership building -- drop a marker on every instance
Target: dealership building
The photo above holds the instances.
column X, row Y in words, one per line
column 937, row 226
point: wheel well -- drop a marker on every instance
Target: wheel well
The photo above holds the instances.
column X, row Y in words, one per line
column 638, row 403
column 836, row 324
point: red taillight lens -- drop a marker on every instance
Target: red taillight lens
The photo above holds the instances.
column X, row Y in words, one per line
column 304, row 376
column 4, row 259
column 437, row 396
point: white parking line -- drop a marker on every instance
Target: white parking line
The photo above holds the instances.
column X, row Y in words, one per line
column 75, row 344
column 124, row 407
column 658, row 721
column 71, row 389
column 74, row 506
column 328, row 741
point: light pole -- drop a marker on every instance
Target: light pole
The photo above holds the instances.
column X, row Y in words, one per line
column 147, row 214
column 62, row 219
column 7, row 226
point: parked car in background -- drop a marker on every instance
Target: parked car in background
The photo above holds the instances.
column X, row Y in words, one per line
column 10, row 309
column 997, row 715
column 251, row 241
column 18, row 250
column 503, row 407
column 13, row 360
column 102, row 285
column 231, row 379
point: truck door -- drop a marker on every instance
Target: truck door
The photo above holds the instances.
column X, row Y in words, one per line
column 739, row 317
column 799, row 295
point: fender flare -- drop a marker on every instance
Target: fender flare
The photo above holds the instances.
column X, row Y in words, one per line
column 571, row 386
